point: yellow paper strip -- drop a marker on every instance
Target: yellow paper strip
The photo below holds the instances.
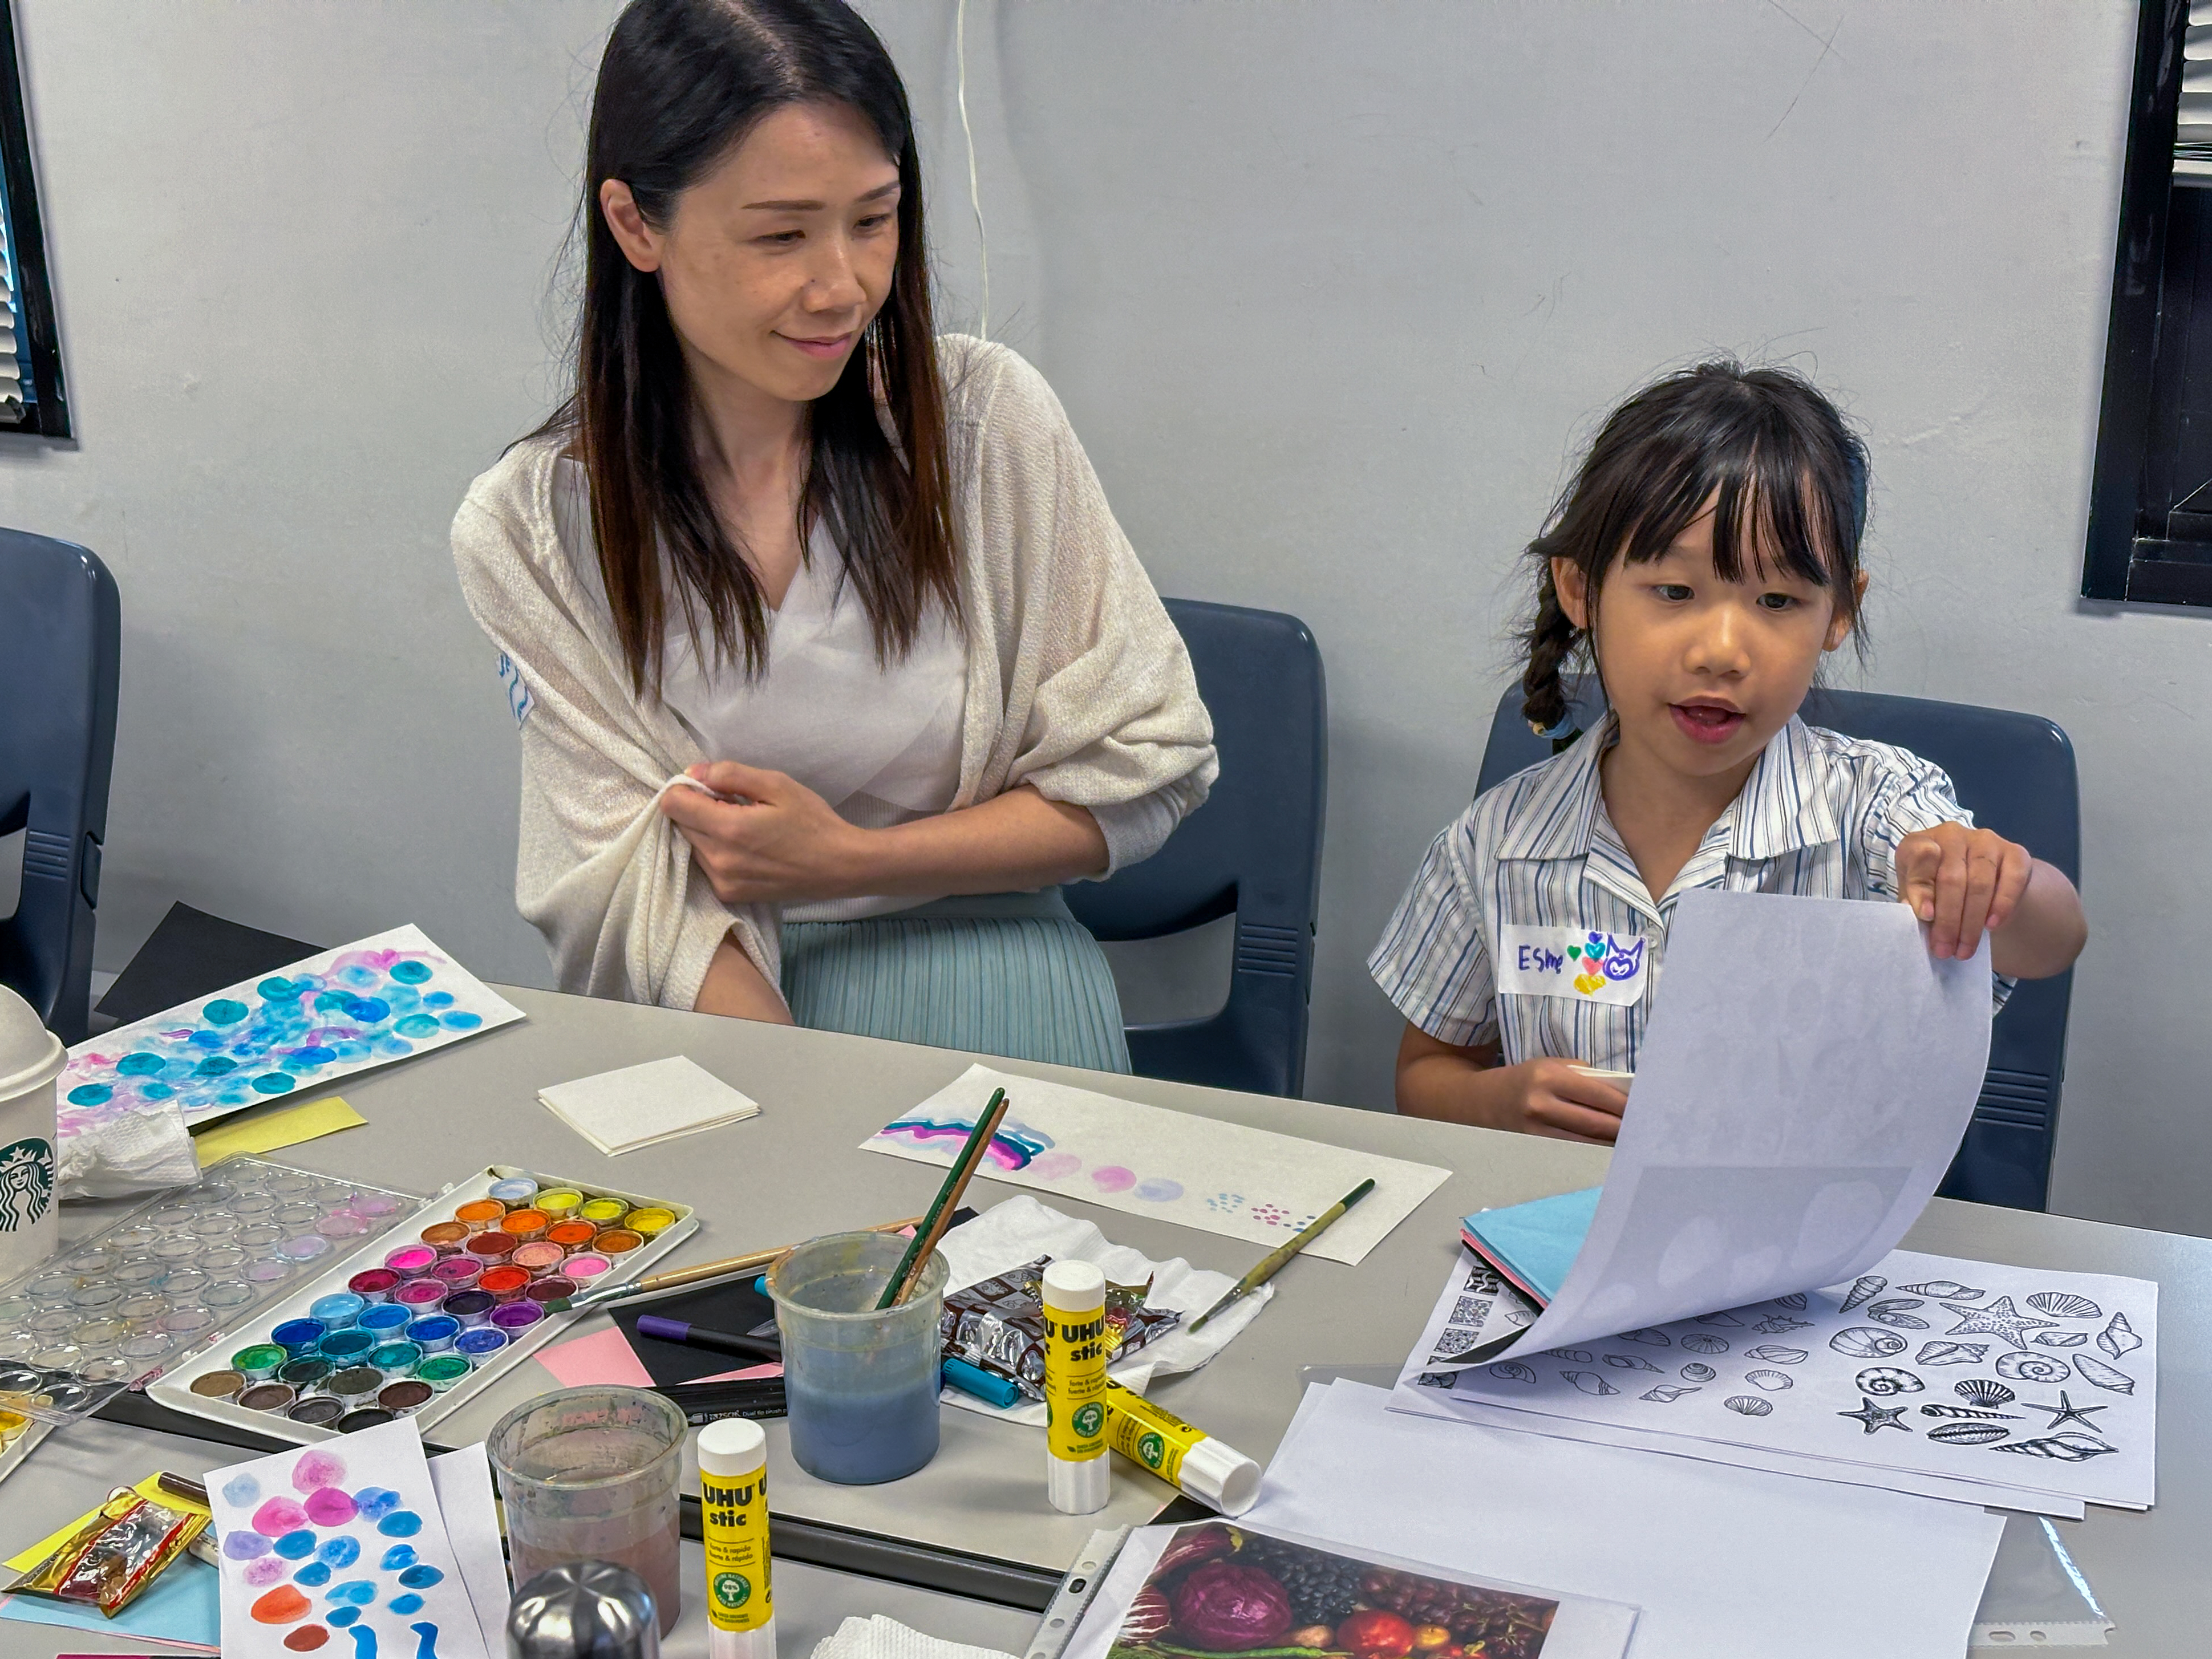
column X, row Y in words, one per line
column 150, row 1488
column 249, row 1132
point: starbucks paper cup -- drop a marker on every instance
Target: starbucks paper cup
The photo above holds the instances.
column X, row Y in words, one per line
column 31, row 1058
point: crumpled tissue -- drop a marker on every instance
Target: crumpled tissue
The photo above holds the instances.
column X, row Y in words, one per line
column 141, row 1152
column 881, row 1637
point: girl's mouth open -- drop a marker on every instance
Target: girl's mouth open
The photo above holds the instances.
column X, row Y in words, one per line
column 1706, row 722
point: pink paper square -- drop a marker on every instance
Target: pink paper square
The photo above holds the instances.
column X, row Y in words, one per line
column 603, row 1356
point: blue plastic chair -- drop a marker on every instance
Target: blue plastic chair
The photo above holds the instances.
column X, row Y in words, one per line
column 61, row 641
column 2015, row 774
column 1253, row 850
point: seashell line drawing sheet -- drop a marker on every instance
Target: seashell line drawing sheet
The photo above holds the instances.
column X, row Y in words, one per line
column 2075, row 1419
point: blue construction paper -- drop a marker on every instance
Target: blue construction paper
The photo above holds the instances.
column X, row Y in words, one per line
column 1535, row 1244
column 184, row 1606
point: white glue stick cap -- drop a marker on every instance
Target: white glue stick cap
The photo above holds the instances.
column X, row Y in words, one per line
column 732, row 1446
column 1075, row 1286
column 1219, row 1475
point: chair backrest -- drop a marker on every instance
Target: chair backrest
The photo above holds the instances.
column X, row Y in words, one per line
column 2015, row 774
column 1254, row 849
column 61, row 633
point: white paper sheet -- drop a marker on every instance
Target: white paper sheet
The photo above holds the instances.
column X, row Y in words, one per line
column 1014, row 1233
column 323, row 1017
column 462, row 1480
column 1223, row 1178
column 639, row 1106
column 1720, row 1560
column 1580, row 1626
column 1806, row 1075
column 344, row 1538
column 1448, row 1408
column 1926, row 1364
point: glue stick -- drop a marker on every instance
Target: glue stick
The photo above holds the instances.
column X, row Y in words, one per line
column 733, row 1521
column 1078, row 1477
column 1189, row 1459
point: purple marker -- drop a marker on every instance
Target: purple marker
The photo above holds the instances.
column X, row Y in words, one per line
column 697, row 1336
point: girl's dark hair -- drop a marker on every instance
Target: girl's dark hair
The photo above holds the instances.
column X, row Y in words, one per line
column 681, row 84
column 1790, row 476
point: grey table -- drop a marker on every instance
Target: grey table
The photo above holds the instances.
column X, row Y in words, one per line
column 976, row 1521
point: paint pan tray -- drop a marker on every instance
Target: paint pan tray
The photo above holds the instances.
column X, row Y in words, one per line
column 170, row 1275
column 419, row 1321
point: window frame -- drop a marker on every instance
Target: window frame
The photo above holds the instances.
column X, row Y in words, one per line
column 48, row 416
column 2121, row 562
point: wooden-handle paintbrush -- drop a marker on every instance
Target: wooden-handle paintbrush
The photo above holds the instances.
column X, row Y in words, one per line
column 1271, row 1263
column 676, row 1278
column 900, row 1285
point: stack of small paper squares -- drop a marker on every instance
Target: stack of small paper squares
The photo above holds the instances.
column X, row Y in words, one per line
column 644, row 1105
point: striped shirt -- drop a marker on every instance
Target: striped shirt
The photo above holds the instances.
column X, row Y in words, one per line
column 1533, row 872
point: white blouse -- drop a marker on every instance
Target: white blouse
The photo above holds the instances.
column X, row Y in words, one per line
column 880, row 742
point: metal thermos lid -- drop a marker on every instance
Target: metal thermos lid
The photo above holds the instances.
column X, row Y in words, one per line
column 583, row 1610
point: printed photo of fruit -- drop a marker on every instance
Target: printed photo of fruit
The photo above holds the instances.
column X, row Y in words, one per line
column 1220, row 1590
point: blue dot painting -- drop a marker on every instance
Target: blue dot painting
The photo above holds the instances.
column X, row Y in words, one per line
column 366, row 1004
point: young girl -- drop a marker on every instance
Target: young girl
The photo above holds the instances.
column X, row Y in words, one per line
column 1718, row 517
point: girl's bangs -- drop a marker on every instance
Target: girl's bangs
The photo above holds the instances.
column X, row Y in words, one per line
column 1771, row 499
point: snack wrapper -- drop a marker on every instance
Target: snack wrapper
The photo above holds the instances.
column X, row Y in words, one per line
column 998, row 1324
column 113, row 1557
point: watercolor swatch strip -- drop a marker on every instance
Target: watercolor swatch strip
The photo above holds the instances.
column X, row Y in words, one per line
column 1219, row 1178
column 340, row 1548
column 341, row 1011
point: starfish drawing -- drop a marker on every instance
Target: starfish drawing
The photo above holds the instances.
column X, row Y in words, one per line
column 2000, row 1318
column 2064, row 1412
column 1877, row 1417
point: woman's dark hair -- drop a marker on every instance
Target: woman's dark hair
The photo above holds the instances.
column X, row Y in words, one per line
column 1790, row 476
column 681, row 84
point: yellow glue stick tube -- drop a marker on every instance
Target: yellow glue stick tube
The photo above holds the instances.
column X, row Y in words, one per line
column 733, row 1521
column 1189, row 1459
column 1078, row 1477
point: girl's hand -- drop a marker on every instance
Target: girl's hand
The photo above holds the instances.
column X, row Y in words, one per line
column 1961, row 882
column 1556, row 1098
column 777, row 843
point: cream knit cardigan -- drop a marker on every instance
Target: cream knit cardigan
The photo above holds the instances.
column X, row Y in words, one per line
column 1078, row 685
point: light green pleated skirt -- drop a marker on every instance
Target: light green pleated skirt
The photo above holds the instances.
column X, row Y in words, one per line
column 1012, row 973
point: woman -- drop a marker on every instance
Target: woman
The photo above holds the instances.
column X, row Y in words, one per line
column 817, row 618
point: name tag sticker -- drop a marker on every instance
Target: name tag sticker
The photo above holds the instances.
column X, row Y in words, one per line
column 1566, row 962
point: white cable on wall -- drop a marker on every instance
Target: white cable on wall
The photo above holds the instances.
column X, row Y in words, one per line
column 974, row 190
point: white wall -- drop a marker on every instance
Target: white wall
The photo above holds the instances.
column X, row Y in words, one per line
column 1330, row 287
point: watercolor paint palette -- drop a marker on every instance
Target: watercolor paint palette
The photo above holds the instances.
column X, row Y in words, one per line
column 420, row 1321
column 171, row 1275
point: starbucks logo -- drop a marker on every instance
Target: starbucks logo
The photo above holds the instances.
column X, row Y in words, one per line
column 732, row 1590
column 27, row 1182
column 1089, row 1419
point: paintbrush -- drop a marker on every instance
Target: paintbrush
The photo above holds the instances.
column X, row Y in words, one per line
column 900, row 1285
column 676, row 1278
column 1275, row 1258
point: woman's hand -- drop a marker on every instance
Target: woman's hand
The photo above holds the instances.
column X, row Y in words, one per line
column 1551, row 1097
column 777, row 843
column 781, row 842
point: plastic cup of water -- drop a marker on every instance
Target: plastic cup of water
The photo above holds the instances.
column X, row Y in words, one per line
column 861, row 1385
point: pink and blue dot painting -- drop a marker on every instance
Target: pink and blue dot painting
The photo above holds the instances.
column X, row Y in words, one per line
column 311, row 1558
column 378, row 1000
